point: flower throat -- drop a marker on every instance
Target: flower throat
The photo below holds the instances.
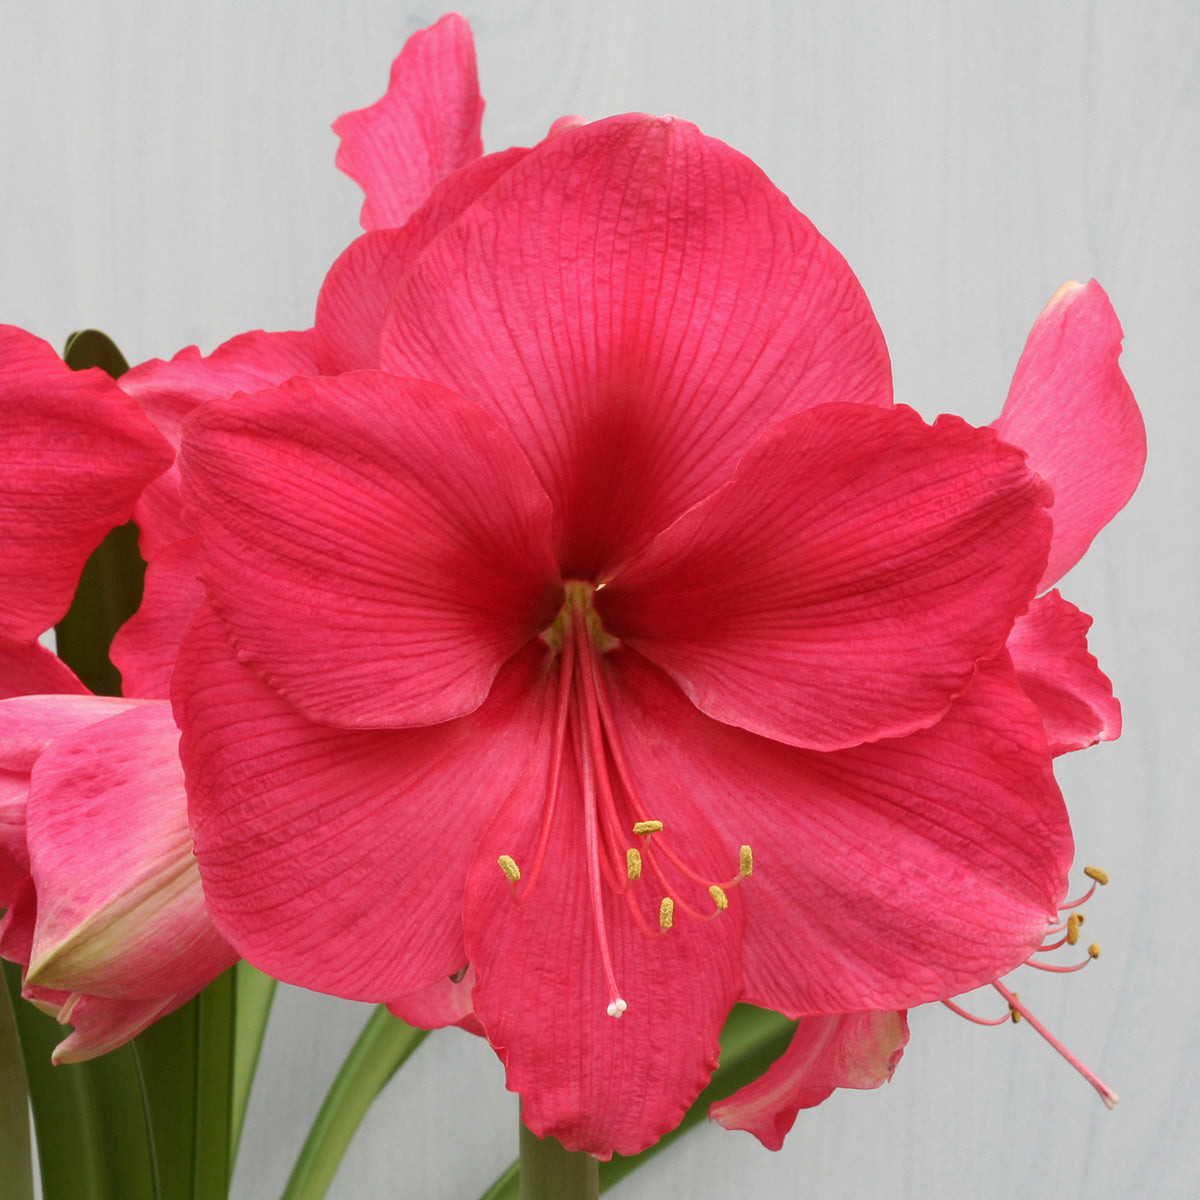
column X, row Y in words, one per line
column 627, row 849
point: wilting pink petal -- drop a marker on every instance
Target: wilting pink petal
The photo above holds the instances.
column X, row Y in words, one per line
column 1049, row 651
column 1070, row 408
column 440, row 533
column 144, row 648
column 354, row 297
column 168, row 390
column 426, row 124
column 30, row 669
column 636, row 302
column 851, row 1050
column 842, row 586
column 120, row 907
column 542, row 985
column 75, row 452
column 447, row 1002
column 883, row 872
column 358, row 894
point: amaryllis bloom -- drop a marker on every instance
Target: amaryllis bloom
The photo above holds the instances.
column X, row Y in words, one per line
column 105, row 908
column 618, row 643
column 75, row 452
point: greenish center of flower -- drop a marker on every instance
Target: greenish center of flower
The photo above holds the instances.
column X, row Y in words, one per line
column 624, row 843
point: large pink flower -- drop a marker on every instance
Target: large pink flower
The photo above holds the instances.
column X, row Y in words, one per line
column 625, row 576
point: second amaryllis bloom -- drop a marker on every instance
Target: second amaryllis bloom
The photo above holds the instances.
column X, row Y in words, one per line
column 619, row 641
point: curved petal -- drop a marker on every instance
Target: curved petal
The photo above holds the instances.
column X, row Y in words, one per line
column 354, row 297
column 447, row 1002
column 168, row 390
column 75, row 452
column 31, row 669
column 29, row 724
column 637, row 302
column 102, row 1023
column 14, row 857
column 145, row 647
column 1049, row 651
column 842, row 585
column 1070, row 408
column 120, row 908
column 599, row 1084
column 377, row 547
column 848, row 1050
column 885, row 873
column 337, row 859
column 426, row 124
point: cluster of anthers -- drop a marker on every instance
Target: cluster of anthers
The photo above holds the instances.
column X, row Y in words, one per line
column 613, row 808
column 1064, row 933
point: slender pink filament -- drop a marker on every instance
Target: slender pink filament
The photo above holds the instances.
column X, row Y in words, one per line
column 962, row 1012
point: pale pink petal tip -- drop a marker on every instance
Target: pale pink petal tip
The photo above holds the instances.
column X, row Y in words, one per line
column 426, row 125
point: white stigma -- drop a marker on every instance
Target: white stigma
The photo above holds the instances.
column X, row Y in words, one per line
column 617, row 1007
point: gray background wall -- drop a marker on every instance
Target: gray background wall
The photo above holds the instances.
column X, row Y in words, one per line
column 167, row 175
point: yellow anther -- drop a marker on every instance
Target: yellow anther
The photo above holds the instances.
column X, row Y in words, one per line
column 511, row 871
column 1101, row 877
column 1012, row 1012
column 1093, row 951
column 746, row 861
column 1073, row 923
column 644, row 827
column 719, row 897
column 666, row 913
column 633, row 863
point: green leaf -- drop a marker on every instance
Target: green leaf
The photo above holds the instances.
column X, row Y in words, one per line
column 110, row 587
column 255, row 993
column 753, row 1038
column 90, row 1119
column 16, row 1166
column 381, row 1049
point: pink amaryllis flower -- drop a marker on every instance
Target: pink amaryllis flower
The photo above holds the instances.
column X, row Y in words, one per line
column 105, row 908
column 618, row 642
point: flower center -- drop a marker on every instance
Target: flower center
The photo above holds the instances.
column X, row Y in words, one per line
column 627, row 849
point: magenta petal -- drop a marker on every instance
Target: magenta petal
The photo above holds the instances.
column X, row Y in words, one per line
column 31, row 669
column 145, row 647
column 1049, row 651
column 14, row 857
column 842, row 585
column 849, row 1050
column 599, row 1084
column 354, row 297
column 447, row 1002
column 102, row 1023
column 336, row 859
column 120, row 908
column 75, row 452
column 637, row 302
column 378, row 547
column 1070, row 408
column 28, row 724
column 168, row 390
column 426, row 125
column 885, row 873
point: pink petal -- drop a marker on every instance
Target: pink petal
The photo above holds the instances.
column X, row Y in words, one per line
column 169, row 390
column 447, row 1002
column 145, row 647
column 102, row 1023
column 850, row 1050
column 842, row 586
column 426, row 125
column 378, row 547
column 29, row 724
column 74, row 454
column 637, row 303
column 1070, row 408
column 354, row 297
column 120, row 907
column 883, row 874
column 31, row 669
column 14, row 857
column 1049, row 651
column 336, row 859
column 599, row 1084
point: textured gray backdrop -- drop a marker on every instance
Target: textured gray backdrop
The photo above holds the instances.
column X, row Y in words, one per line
column 167, row 176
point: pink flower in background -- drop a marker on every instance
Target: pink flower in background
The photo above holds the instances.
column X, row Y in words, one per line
column 105, row 909
column 628, row 533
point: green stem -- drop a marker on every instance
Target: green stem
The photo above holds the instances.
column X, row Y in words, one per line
column 255, row 993
column 382, row 1048
column 549, row 1172
column 16, row 1165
